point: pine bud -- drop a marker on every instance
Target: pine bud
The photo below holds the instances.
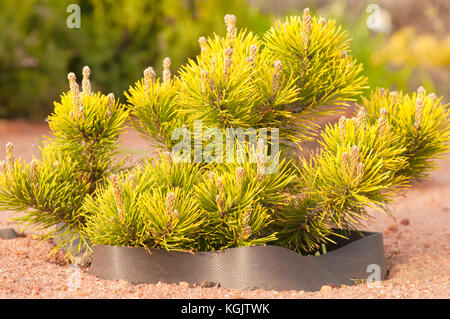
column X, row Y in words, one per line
column 120, row 214
column 345, row 163
column 354, row 152
column 3, row 167
column 111, row 100
column 86, row 72
column 419, row 113
column 175, row 214
column 230, row 22
column 71, row 77
column 117, row 195
column 342, row 128
column 421, row 91
column 382, row 92
column 382, row 122
column 74, row 90
column 219, row 203
column 166, row 73
column 228, row 61
column 383, row 113
column 260, row 167
column 34, row 171
column 252, row 57
column 278, row 65
column 432, row 96
column 166, row 63
column 220, row 186
column 114, row 181
column 247, row 232
column 81, row 113
column 344, row 55
column 10, row 156
column 354, row 159
column 86, row 84
column 204, row 80
column 132, row 180
column 169, row 160
column 360, row 172
column 247, row 215
column 394, row 96
column 9, row 149
column 212, row 177
column 276, row 78
column 212, row 85
column 323, row 22
column 149, row 79
column 240, row 173
column 111, row 103
column 202, row 42
column 170, row 203
column 361, row 118
column 306, row 31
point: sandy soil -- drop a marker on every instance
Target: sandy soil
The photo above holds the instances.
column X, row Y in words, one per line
column 416, row 238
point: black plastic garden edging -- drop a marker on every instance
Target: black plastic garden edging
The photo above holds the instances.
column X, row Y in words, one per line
column 262, row 267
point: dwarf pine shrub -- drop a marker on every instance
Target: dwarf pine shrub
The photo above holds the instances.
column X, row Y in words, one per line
column 256, row 98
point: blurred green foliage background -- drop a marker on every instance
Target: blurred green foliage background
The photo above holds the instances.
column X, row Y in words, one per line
column 119, row 38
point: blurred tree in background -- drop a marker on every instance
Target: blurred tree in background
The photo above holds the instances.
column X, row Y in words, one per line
column 403, row 53
column 117, row 39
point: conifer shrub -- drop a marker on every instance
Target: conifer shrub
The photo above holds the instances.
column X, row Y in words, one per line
column 268, row 90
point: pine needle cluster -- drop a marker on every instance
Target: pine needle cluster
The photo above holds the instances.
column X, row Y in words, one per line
column 186, row 206
column 421, row 121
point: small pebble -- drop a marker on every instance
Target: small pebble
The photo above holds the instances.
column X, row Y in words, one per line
column 183, row 284
column 325, row 289
column 8, row 233
column 208, row 284
column 404, row 222
column 123, row 282
column 393, row 227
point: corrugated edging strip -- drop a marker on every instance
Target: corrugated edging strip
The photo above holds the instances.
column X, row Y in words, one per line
column 256, row 267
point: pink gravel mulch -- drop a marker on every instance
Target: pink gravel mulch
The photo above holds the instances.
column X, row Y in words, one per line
column 417, row 248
